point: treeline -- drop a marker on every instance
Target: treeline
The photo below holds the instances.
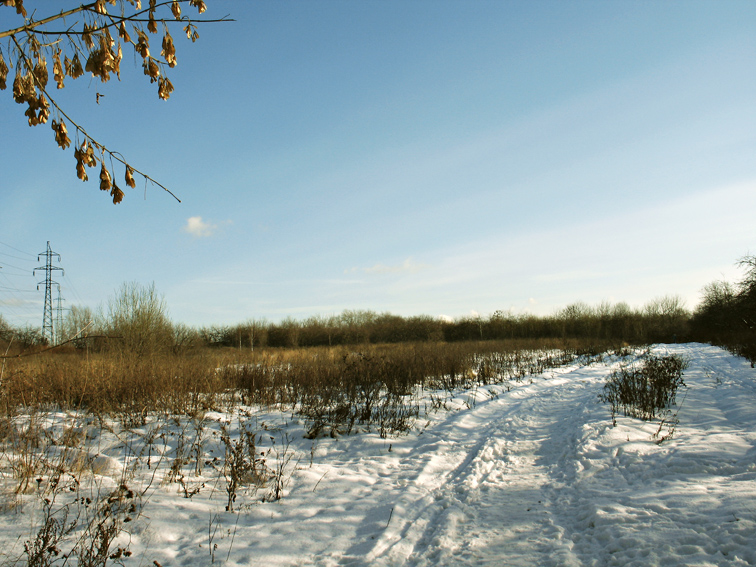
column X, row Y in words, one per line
column 726, row 315
column 135, row 320
column 663, row 320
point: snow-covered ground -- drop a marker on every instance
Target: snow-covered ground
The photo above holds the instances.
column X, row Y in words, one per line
column 534, row 475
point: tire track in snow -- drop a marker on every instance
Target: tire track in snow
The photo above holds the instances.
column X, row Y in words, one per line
column 478, row 495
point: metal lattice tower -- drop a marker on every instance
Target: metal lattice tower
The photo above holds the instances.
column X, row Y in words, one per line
column 59, row 318
column 47, row 318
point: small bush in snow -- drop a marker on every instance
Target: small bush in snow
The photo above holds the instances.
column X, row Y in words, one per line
column 643, row 390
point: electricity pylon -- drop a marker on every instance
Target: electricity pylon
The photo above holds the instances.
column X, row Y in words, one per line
column 47, row 318
column 59, row 318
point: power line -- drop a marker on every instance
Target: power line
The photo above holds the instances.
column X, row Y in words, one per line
column 17, row 250
column 11, row 256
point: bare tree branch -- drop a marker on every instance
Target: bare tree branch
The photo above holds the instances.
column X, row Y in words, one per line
column 101, row 52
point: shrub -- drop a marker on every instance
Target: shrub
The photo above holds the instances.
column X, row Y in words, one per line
column 643, row 390
column 138, row 315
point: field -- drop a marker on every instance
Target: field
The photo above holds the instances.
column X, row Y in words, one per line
column 346, row 457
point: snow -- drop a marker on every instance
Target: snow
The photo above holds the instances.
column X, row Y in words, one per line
column 533, row 474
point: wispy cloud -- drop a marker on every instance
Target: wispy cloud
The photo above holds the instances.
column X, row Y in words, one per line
column 409, row 266
column 200, row 228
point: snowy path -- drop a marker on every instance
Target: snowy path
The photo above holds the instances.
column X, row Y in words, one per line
column 485, row 481
column 534, row 476
column 538, row 476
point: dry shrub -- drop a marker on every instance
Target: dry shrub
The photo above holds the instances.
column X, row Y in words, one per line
column 642, row 390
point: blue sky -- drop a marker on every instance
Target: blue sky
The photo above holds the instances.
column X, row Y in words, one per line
column 416, row 156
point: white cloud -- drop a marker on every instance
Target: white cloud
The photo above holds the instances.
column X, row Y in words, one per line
column 199, row 228
column 408, row 266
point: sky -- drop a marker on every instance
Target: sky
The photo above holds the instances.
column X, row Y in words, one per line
column 413, row 157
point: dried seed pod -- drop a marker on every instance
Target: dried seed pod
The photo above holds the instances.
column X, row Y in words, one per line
column 73, row 67
column 142, row 45
column 151, row 69
column 23, row 88
column 123, row 34
column 169, row 51
column 90, row 160
column 199, row 4
column 191, row 32
column 152, row 24
column 165, row 88
column 176, row 9
column 130, row 177
column 58, row 73
column 105, row 178
column 117, row 194
column 44, row 110
column 80, row 154
column 3, row 72
column 61, row 134
column 40, row 72
column 19, row 4
column 86, row 35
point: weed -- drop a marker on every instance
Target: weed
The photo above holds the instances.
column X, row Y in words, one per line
column 242, row 465
column 282, row 457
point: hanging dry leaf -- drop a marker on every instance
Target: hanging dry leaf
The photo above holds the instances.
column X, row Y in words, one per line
column 38, row 111
column 151, row 69
column 130, row 177
column 61, row 134
column 58, row 73
column 80, row 155
column 142, row 46
column 117, row 62
column 165, row 88
column 152, row 24
column 3, row 72
column 169, row 51
column 23, row 87
column 73, row 67
column 199, row 4
column 90, row 160
column 105, row 178
column 176, row 9
column 123, row 34
column 40, row 72
column 19, row 4
column 191, row 32
column 117, row 194
column 86, row 35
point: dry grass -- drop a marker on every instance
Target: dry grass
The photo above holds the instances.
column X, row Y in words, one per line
column 358, row 380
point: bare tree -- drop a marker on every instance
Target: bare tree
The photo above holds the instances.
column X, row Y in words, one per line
column 92, row 44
